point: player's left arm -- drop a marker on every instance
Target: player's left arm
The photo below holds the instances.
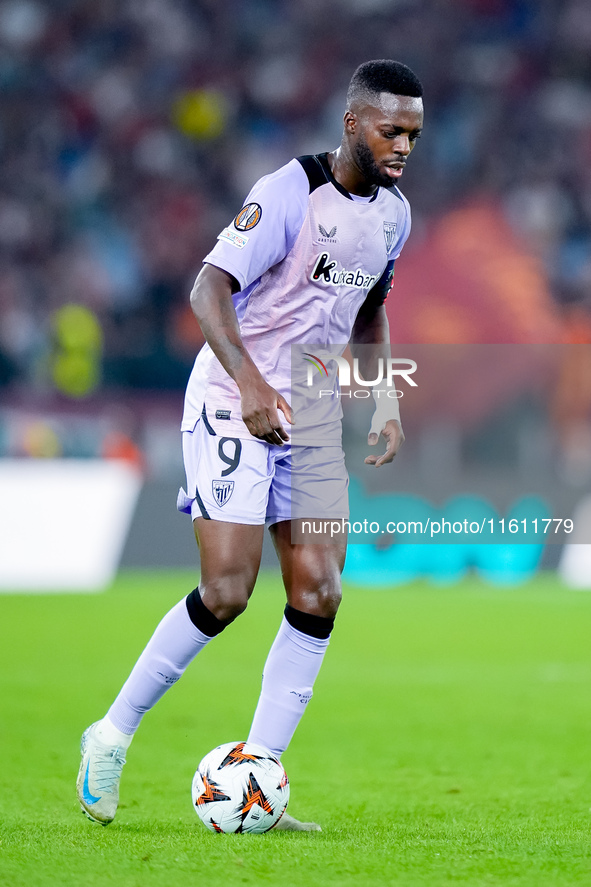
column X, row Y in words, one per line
column 370, row 340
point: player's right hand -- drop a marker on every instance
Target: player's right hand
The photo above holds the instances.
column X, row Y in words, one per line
column 260, row 406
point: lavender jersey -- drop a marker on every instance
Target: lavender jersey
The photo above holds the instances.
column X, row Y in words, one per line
column 306, row 255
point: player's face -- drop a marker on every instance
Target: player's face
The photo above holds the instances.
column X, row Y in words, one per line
column 383, row 137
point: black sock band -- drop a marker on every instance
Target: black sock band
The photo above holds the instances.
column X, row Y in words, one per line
column 201, row 617
column 316, row 626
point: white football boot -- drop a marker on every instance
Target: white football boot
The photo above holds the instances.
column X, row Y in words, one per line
column 97, row 785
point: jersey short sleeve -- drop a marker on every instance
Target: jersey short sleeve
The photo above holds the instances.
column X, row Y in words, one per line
column 266, row 227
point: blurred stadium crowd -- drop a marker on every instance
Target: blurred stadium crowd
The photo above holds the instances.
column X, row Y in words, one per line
column 131, row 131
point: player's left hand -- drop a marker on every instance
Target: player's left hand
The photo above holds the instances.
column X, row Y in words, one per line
column 394, row 436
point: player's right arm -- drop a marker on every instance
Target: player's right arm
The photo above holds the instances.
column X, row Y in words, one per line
column 212, row 304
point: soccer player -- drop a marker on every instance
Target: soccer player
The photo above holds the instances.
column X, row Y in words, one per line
column 308, row 259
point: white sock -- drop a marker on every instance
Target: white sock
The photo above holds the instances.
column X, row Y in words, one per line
column 288, row 678
column 108, row 734
column 174, row 644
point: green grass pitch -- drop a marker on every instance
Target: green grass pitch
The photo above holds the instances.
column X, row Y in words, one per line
column 449, row 741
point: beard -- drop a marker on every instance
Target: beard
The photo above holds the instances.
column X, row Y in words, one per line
column 368, row 166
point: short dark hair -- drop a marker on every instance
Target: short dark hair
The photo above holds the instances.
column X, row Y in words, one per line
column 383, row 75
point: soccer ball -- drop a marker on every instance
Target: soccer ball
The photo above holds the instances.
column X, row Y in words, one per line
column 240, row 787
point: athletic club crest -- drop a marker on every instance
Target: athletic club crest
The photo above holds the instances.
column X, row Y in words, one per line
column 222, row 490
column 389, row 231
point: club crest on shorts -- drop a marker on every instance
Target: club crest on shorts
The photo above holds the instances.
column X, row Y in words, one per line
column 222, row 490
column 389, row 231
